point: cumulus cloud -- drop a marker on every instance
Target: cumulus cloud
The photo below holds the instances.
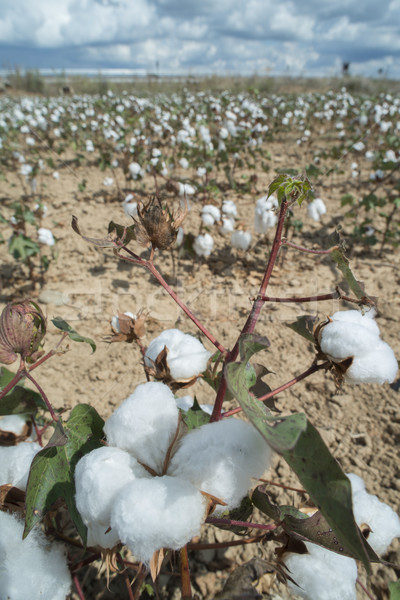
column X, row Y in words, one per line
column 241, row 36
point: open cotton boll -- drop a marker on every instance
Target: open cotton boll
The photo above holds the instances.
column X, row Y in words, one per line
column 316, row 209
column 238, row 453
column 163, row 512
column 352, row 334
column 322, row 574
column 210, row 214
column 381, row 518
column 264, row 216
column 13, row 423
column 145, row 424
column 15, row 462
column 30, row 568
column 203, row 245
column 99, row 477
column 115, row 321
column 241, row 240
column 229, row 208
column 186, row 356
column 228, row 225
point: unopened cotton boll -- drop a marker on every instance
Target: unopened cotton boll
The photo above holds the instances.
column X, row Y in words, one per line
column 316, row 209
column 31, row 568
column 163, row 512
column 145, row 424
column 241, row 240
column 369, row 510
column 322, row 574
column 186, row 356
column 15, row 463
column 203, row 245
column 99, row 478
column 352, row 334
column 238, row 453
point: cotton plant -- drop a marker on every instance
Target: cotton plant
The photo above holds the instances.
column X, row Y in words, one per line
column 149, row 489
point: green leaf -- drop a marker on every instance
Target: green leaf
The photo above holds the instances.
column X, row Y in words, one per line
column 250, row 343
column 394, row 589
column 21, row 247
column 124, row 234
column 304, row 326
column 51, row 477
column 195, row 417
column 21, row 401
column 72, row 334
column 5, row 377
column 313, row 529
column 300, row 444
column 343, row 264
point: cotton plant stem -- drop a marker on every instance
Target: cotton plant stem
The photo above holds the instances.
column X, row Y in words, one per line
column 149, row 265
column 364, row 589
column 78, row 588
column 17, row 377
column 282, row 485
column 331, row 296
column 186, row 587
column 51, row 353
column 128, row 586
column 281, row 388
column 42, row 393
column 216, row 521
column 255, row 310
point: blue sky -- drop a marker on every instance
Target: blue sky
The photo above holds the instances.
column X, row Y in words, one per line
column 308, row 37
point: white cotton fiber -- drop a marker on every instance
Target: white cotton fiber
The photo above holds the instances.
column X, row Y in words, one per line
column 163, row 512
column 30, row 568
column 99, row 478
column 352, row 334
column 203, row 245
column 316, row 209
column 13, row 423
column 186, row 356
column 222, row 458
column 264, row 216
column 241, row 240
column 322, row 574
column 210, row 214
column 15, row 462
column 145, row 424
column 381, row 518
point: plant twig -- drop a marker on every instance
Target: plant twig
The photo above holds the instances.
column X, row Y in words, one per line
column 78, row 587
column 42, row 393
column 217, row 521
column 185, row 575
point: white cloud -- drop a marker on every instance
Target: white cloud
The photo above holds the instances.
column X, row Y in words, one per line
column 243, row 36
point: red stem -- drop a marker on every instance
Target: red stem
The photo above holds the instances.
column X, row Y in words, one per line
column 78, row 587
column 17, row 377
column 41, row 392
column 204, row 546
column 149, row 265
column 319, row 298
column 281, row 388
column 255, row 310
column 216, row 521
column 185, row 575
column 370, row 596
column 49, row 354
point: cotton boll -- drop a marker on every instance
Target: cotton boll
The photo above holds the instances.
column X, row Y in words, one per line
column 210, row 214
column 241, row 240
column 381, row 518
column 228, row 226
column 115, row 324
column 203, row 245
column 163, row 512
column 229, row 208
column 45, row 236
column 15, row 463
column 316, row 209
column 13, row 423
column 186, row 356
column 264, row 216
column 145, row 424
column 30, row 568
column 352, row 334
column 238, row 453
column 99, row 478
column 322, row 574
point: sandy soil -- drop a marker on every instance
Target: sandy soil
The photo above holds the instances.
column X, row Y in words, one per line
column 361, row 424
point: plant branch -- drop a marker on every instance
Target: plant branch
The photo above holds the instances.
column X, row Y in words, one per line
column 214, row 546
column 362, row 586
column 17, row 377
column 51, row 353
column 42, row 393
column 281, row 388
column 216, row 521
column 186, row 587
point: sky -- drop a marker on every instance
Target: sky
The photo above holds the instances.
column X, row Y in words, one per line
column 203, row 37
